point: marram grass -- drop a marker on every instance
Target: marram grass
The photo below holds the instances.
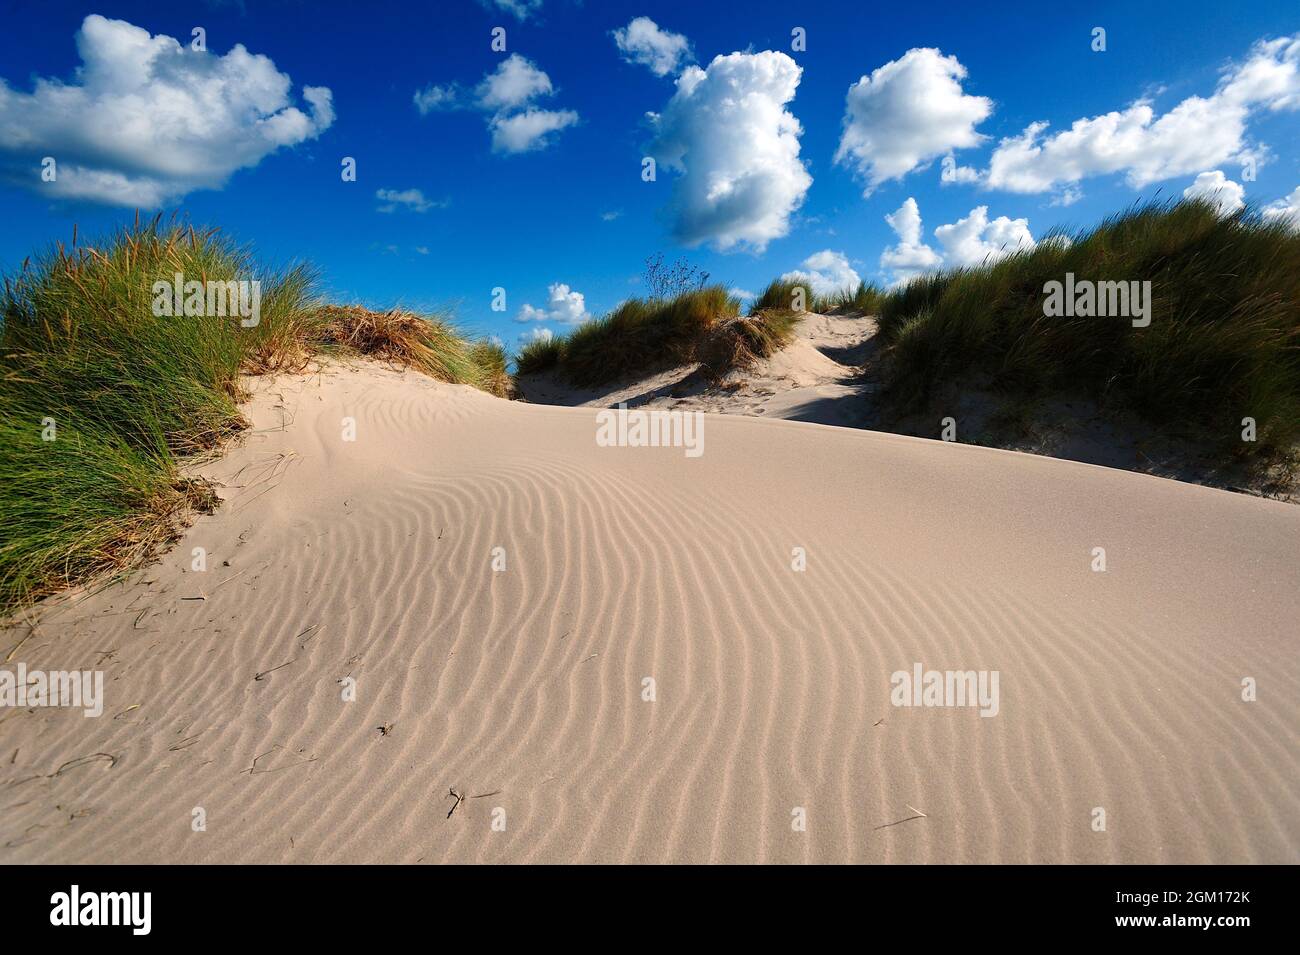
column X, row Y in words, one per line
column 642, row 336
column 1223, row 343
column 101, row 400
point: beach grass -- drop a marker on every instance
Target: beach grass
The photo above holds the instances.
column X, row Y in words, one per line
column 644, row 335
column 1223, row 343
column 102, row 401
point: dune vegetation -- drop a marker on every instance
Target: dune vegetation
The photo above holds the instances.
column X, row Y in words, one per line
column 644, row 335
column 798, row 296
column 1222, row 345
column 102, row 400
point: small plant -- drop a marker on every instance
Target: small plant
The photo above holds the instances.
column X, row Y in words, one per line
column 664, row 282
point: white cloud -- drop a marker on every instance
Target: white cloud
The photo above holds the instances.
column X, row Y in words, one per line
column 514, row 83
column 147, row 120
column 521, row 9
column 1067, row 196
column 971, row 241
column 611, row 215
column 1217, row 188
column 435, row 98
column 1285, row 210
column 826, row 272
column 726, row 130
column 907, row 113
column 538, row 334
column 507, row 94
column 951, row 172
column 1197, row 134
column 743, row 294
column 528, row 130
column 642, row 41
column 565, row 305
column 911, row 256
column 411, row 199
column 975, row 240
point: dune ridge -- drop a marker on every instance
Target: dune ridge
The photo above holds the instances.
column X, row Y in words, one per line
column 521, row 690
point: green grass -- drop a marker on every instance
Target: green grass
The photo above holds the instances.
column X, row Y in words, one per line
column 539, row 355
column 787, row 295
column 866, row 299
column 125, row 395
column 782, row 295
column 642, row 336
column 1223, row 343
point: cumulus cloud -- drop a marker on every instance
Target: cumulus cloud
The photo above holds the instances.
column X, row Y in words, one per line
column 826, row 272
column 537, row 334
column 514, row 83
column 971, row 241
column 147, row 120
column 506, row 95
column 911, row 256
column 975, row 240
column 908, row 113
column 643, row 41
column 1217, row 188
column 951, row 172
column 410, row 199
column 434, row 97
column 565, row 305
column 520, row 9
column 1284, row 210
column 726, row 130
column 529, row 130
column 1197, row 134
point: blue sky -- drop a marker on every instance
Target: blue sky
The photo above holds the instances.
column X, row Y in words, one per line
column 260, row 156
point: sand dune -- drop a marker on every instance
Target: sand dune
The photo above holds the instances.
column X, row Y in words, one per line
column 817, row 377
column 522, row 690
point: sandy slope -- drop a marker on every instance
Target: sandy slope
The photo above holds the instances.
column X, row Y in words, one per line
column 523, row 689
column 830, row 374
column 816, row 378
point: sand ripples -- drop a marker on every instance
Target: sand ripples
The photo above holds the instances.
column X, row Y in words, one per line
column 522, row 690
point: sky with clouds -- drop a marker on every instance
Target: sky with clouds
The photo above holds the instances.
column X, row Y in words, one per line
column 834, row 145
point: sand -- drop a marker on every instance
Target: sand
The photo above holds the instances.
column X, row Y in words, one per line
column 817, row 378
column 523, row 690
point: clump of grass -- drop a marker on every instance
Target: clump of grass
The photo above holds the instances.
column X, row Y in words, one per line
column 866, row 299
column 426, row 343
column 491, row 366
column 101, row 399
column 739, row 342
column 783, row 295
column 797, row 296
column 1223, row 343
column 638, row 337
column 539, row 355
